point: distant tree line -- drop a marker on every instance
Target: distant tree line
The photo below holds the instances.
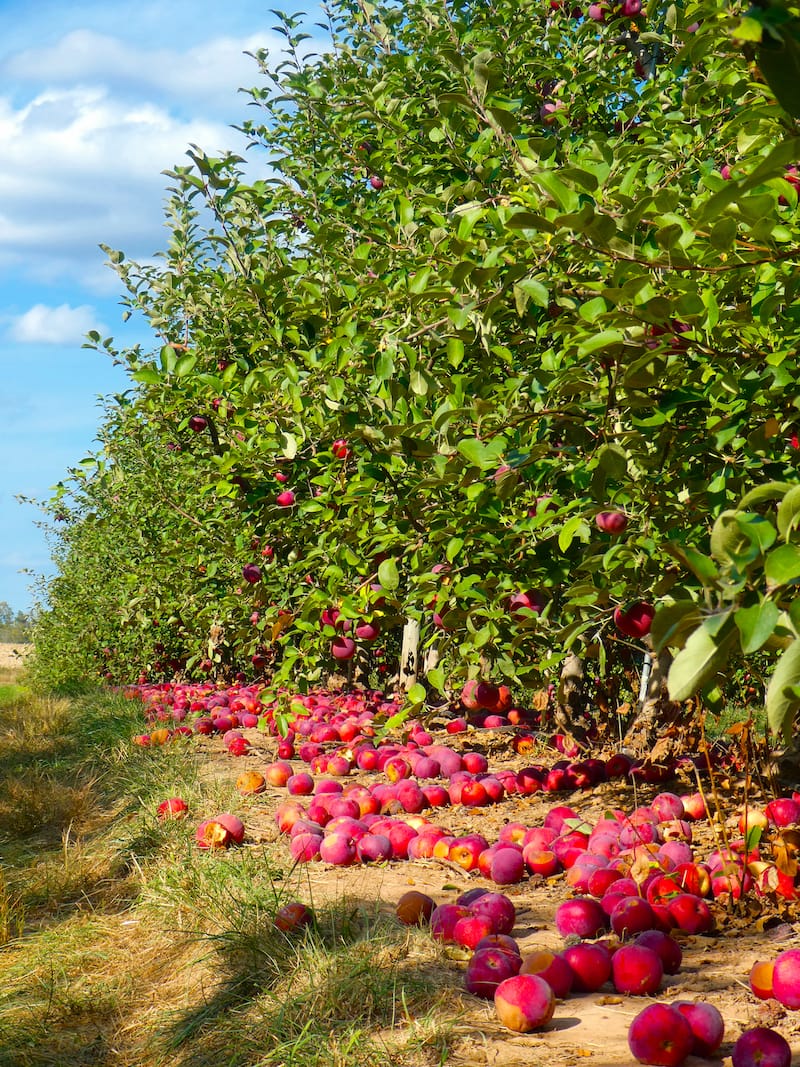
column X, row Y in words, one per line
column 14, row 625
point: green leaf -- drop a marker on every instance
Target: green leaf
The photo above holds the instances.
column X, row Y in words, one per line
column 701, row 658
column 603, row 339
column 702, row 567
column 782, row 566
column 454, row 546
column 781, row 700
column 480, row 454
column 435, row 678
column 185, row 365
column 747, row 29
column 388, row 575
column 789, row 513
column 416, row 694
column 673, row 623
column 148, row 376
column 762, row 493
column 756, row 625
column 780, row 65
column 572, row 528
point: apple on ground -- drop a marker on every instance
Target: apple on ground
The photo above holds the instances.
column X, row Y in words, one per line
column 553, row 968
column 294, row 916
column 487, row 968
column 173, row 808
column 786, row 978
column 660, row 1035
column 415, row 908
column 706, row 1023
column 761, row 1047
column 524, row 1003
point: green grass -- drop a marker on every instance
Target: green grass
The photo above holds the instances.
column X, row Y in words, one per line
column 125, row 945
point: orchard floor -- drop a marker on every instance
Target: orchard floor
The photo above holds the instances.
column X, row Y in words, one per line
column 589, row 1029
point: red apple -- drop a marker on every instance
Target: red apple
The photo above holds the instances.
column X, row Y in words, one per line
column 581, row 917
column 660, row 1035
column 761, row 1047
column 174, row 808
column 294, row 916
column 613, row 522
column 786, row 978
column 487, row 968
column 635, row 620
column 706, row 1023
column 553, row 968
column 636, row 970
column 590, row 964
column 524, row 1003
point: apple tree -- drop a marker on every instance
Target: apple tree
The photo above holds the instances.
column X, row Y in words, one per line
column 485, row 276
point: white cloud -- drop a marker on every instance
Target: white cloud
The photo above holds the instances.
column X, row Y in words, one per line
column 89, row 123
column 206, row 76
column 63, row 325
column 78, row 168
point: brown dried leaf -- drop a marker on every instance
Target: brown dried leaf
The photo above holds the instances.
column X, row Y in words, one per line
column 541, row 699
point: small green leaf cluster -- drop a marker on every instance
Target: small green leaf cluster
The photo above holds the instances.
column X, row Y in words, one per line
column 750, row 581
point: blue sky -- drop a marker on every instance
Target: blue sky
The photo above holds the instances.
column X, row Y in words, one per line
column 96, row 99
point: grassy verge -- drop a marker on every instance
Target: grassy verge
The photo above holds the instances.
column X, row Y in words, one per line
column 124, row 944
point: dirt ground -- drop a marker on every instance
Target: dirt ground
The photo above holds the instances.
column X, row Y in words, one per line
column 588, row 1029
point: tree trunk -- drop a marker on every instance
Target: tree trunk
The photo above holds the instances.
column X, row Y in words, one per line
column 409, row 654
column 571, row 699
column 662, row 727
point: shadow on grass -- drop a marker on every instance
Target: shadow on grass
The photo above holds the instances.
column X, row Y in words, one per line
column 312, row 997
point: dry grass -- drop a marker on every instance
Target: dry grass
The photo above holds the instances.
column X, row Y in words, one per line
column 127, row 946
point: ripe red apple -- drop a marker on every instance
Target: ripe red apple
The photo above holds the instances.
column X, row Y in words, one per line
column 444, row 918
column 251, row 572
column 635, row 620
column 343, row 648
column 174, row 808
column 524, row 1003
column 666, row 948
column 590, row 964
column 786, row 978
column 338, row 849
column 532, row 600
column 508, row 866
column 498, row 908
column 553, row 968
column 660, row 1035
column 471, row 929
column 613, row 522
column 580, row 917
column 783, row 812
column 487, row 968
column 630, row 916
column 197, row 423
column 294, row 916
column 374, row 848
column 691, row 913
column 761, row 1047
column 636, row 970
column 706, row 1023
column 285, row 499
